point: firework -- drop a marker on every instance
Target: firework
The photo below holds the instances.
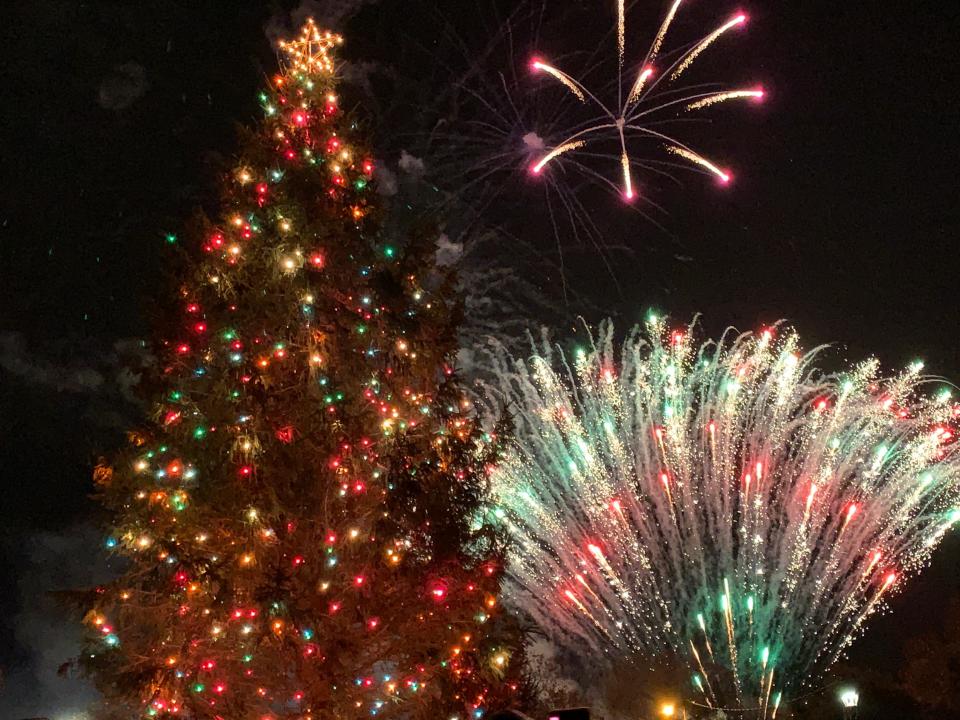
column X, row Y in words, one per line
column 646, row 104
column 727, row 504
column 482, row 128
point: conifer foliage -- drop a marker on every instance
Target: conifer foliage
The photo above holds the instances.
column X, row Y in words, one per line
column 299, row 517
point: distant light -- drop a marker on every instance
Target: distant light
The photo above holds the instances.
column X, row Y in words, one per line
column 849, row 697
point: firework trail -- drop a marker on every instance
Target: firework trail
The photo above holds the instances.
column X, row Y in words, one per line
column 648, row 103
column 482, row 126
column 726, row 504
column 472, row 123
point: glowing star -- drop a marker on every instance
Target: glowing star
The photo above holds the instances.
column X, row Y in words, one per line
column 750, row 535
column 640, row 111
column 310, row 53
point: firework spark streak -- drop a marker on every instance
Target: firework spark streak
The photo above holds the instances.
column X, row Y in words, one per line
column 555, row 152
column 697, row 160
column 723, row 97
column 567, row 81
column 691, row 56
column 638, row 85
column 662, row 32
column 642, row 101
column 727, row 503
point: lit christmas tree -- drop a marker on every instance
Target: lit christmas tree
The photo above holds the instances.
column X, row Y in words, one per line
column 297, row 517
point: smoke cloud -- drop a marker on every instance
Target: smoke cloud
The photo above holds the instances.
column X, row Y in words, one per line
column 48, row 632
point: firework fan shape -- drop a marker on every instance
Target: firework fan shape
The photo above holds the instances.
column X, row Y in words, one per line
column 647, row 102
column 726, row 504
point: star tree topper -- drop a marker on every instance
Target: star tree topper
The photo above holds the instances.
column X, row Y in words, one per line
column 310, row 53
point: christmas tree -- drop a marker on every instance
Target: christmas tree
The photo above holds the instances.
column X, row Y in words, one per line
column 298, row 518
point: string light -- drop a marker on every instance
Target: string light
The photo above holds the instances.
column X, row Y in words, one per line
column 286, row 311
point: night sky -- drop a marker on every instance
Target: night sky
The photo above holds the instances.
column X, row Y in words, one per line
column 117, row 117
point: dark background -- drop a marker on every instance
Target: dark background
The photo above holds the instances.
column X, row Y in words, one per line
column 843, row 218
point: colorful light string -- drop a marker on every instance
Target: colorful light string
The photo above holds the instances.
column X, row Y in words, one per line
column 281, row 562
